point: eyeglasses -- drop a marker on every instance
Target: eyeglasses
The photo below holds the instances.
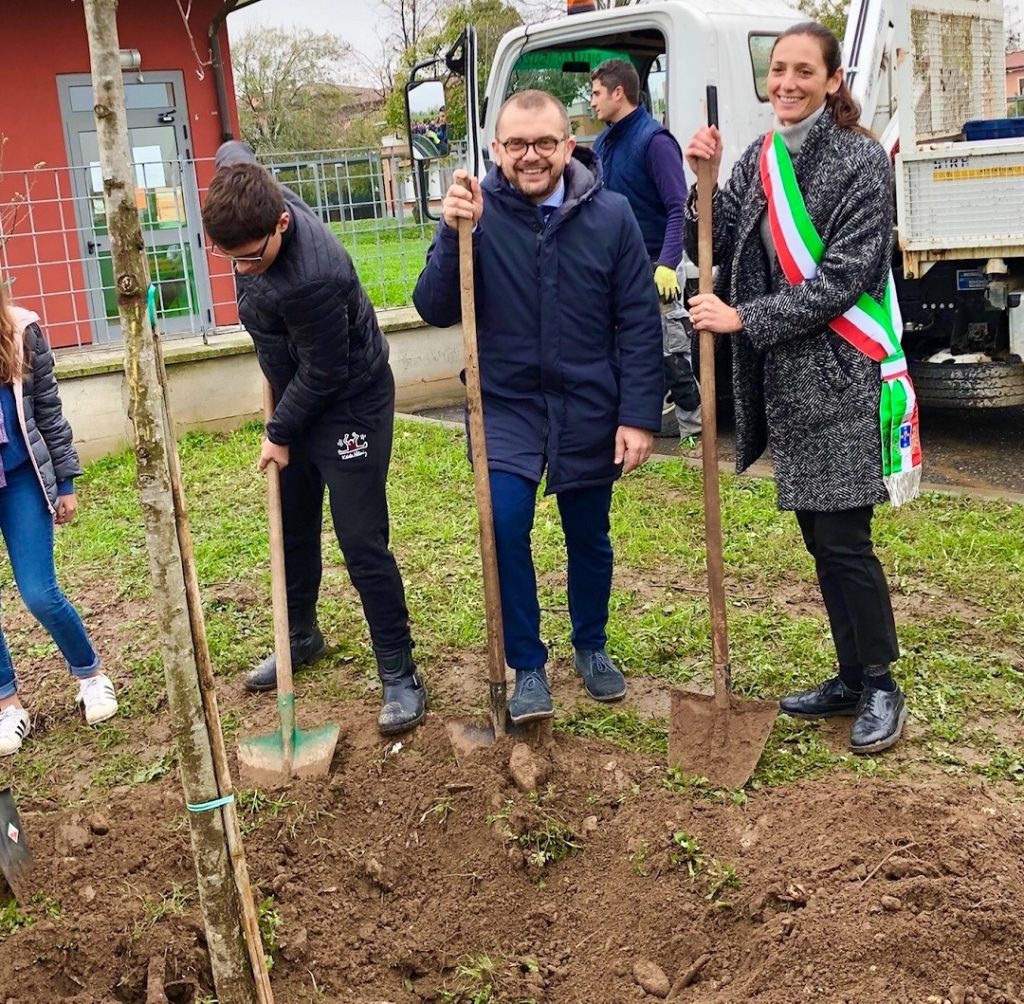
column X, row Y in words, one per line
column 543, row 147
column 239, row 258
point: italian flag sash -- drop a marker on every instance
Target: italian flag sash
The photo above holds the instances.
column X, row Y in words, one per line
column 871, row 327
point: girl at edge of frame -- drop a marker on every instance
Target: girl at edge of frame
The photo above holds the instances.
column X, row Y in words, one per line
column 38, row 465
column 798, row 386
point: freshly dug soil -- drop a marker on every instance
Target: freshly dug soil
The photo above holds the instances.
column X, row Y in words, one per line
column 393, row 877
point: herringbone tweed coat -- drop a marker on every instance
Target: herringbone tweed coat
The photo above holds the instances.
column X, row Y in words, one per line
column 799, row 387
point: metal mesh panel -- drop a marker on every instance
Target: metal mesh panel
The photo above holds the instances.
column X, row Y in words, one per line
column 967, row 200
column 54, row 245
column 959, row 66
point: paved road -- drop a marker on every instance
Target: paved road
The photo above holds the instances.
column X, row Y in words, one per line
column 981, row 452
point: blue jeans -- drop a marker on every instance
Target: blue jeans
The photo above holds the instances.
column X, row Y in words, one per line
column 585, row 522
column 27, row 527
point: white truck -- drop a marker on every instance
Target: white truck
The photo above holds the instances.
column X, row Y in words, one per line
column 928, row 73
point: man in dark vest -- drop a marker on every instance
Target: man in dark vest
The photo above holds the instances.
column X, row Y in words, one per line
column 642, row 161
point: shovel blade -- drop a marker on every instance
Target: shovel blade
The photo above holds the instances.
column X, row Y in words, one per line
column 261, row 758
column 467, row 737
column 721, row 744
column 15, row 857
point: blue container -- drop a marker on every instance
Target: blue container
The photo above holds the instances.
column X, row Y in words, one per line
column 994, row 129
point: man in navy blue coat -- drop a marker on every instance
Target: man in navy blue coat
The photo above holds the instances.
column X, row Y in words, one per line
column 570, row 364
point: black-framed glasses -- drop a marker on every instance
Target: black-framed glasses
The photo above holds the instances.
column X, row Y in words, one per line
column 543, row 147
column 239, row 258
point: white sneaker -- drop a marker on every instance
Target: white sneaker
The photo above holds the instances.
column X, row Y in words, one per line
column 96, row 699
column 14, row 726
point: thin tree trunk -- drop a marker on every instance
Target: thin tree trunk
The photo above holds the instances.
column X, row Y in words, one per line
column 218, row 896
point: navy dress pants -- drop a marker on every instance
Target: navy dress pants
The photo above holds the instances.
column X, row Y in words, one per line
column 585, row 523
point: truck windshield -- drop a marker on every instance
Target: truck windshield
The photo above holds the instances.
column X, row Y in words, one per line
column 564, row 71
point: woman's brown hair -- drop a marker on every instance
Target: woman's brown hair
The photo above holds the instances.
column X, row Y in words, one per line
column 9, row 353
column 843, row 107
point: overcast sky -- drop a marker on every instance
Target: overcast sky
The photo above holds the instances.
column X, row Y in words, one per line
column 356, row 21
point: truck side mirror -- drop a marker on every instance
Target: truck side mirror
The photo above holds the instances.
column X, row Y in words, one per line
column 426, row 119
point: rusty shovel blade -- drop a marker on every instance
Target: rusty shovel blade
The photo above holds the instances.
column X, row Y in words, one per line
column 722, row 744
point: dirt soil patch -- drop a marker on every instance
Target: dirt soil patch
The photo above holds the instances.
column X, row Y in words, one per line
column 409, row 875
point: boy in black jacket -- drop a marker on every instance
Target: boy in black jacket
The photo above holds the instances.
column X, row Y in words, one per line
column 319, row 345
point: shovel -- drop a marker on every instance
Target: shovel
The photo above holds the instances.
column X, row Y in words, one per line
column 15, row 857
column 468, row 736
column 719, row 737
column 272, row 759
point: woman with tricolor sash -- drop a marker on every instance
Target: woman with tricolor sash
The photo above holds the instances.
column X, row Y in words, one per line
column 803, row 242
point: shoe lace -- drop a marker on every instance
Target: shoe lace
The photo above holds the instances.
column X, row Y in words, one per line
column 600, row 663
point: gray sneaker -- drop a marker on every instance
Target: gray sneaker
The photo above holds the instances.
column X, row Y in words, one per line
column 601, row 677
column 531, row 700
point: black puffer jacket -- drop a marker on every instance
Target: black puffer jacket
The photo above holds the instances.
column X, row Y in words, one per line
column 315, row 331
column 47, row 432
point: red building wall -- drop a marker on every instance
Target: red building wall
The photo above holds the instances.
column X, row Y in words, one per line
column 45, row 38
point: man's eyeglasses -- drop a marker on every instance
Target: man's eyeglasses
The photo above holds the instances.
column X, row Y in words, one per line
column 543, row 147
column 239, row 258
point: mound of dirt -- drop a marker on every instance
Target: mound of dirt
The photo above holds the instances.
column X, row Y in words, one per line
column 412, row 875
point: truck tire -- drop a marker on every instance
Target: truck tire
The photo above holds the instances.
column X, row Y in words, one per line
column 969, row 385
column 669, row 423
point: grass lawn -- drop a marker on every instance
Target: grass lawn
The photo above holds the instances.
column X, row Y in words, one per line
column 388, row 257
column 956, row 566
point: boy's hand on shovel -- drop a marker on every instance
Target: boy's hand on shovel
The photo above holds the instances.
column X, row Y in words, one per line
column 461, row 202
column 281, row 455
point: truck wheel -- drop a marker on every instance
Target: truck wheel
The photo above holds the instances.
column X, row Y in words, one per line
column 669, row 422
column 969, row 385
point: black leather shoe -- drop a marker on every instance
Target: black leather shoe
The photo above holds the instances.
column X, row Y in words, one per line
column 827, row 700
column 404, row 700
column 306, row 649
column 881, row 715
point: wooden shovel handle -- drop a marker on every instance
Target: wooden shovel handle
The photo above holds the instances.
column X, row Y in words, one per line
column 709, row 436
column 279, row 599
column 481, row 476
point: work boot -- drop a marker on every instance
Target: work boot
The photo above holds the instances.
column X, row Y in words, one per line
column 307, row 646
column 879, row 722
column 531, row 699
column 404, row 698
column 827, row 700
column 601, row 677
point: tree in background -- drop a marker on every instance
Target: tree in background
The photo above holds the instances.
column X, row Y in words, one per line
column 491, row 19
column 830, row 13
column 287, row 86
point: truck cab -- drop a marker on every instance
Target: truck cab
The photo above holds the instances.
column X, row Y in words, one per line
column 929, row 77
column 677, row 46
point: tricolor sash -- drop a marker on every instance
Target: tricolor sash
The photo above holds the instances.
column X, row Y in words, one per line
column 869, row 326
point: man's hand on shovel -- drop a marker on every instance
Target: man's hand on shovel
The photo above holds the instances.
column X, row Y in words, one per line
column 461, row 202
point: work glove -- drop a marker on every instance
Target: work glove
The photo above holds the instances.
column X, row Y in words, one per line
column 668, row 284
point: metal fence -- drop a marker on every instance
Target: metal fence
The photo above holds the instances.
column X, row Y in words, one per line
column 55, row 246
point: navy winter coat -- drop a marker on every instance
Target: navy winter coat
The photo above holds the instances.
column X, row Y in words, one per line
column 568, row 325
